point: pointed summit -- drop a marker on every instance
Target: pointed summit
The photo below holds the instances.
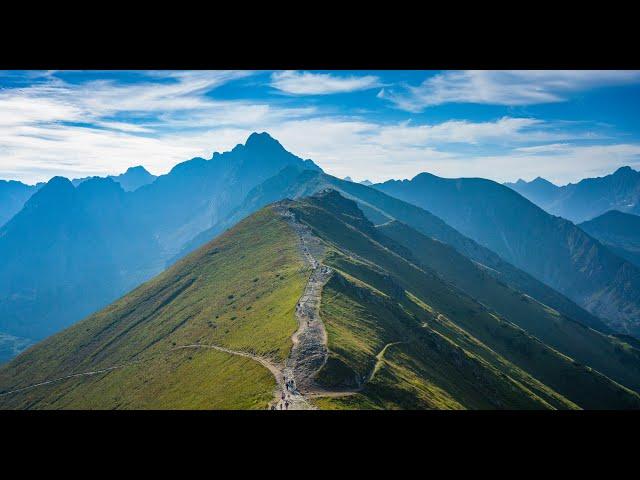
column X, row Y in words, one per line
column 262, row 141
column 626, row 170
column 134, row 178
column 138, row 169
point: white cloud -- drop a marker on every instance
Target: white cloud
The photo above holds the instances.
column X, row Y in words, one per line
column 306, row 83
column 512, row 88
column 103, row 127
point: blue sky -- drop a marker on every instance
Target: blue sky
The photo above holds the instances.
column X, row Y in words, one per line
column 561, row 125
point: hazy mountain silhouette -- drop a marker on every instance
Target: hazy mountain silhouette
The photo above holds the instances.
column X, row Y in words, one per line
column 132, row 179
column 70, row 251
column 618, row 231
column 550, row 248
column 66, row 253
column 588, row 198
column 13, row 196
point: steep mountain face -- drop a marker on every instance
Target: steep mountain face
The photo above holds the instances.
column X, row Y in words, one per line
column 72, row 250
column 380, row 208
column 215, row 331
column 13, row 196
column 199, row 193
column 550, row 248
column 618, row 231
column 66, row 253
column 132, row 179
column 588, row 198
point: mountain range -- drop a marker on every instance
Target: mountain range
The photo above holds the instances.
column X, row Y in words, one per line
column 132, row 179
column 432, row 292
column 618, row 231
column 72, row 250
column 14, row 194
column 550, row 248
column 216, row 330
column 586, row 199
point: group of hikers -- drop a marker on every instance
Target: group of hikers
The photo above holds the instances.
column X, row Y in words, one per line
column 285, row 398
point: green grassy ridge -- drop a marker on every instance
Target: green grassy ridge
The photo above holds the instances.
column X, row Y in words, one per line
column 238, row 291
column 516, row 346
column 424, row 370
column 425, row 316
column 380, row 207
column 609, row 355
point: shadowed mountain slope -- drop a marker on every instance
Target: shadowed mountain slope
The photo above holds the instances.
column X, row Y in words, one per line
column 550, row 248
column 13, row 196
column 618, row 231
column 588, row 198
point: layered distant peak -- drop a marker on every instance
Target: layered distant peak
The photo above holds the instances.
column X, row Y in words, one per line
column 261, row 141
column 541, row 181
column 625, row 171
column 138, row 170
column 134, row 178
column 99, row 187
column 614, row 222
column 58, row 182
column 187, row 166
column 56, row 188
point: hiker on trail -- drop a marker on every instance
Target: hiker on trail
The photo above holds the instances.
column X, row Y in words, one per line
column 282, row 398
column 280, row 405
column 286, row 405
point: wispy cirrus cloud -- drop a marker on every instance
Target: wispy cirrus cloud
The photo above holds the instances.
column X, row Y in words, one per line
column 307, row 83
column 511, row 88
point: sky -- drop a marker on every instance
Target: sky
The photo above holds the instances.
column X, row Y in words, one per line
column 375, row 125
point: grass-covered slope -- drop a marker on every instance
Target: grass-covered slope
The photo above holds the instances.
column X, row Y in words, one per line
column 605, row 353
column 238, row 291
column 380, row 208
column 399, row 334
column 384, row 297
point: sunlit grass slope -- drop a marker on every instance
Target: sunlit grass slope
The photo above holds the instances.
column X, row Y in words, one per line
column 608, row 354
column 239, row 291
column 448, row 341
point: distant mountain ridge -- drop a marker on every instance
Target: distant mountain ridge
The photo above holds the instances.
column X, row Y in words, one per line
column 71, row 250
column 550, row 248
column 67, row 252
column 13, row 196
column 588, row 198
column 619, row 231
column 132, row 179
